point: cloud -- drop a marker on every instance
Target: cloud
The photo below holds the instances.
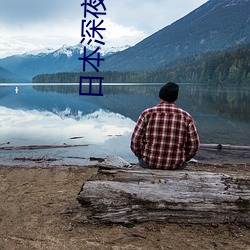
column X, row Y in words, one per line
column 32, row 24
column 147, row 15
column 141, row 15
column 26, row 12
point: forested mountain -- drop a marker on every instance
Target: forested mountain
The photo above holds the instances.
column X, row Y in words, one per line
column 4, row 74
column 8, row 77
column 63, row 59
column 216, row 25
column 231, row 66
column 29, row 65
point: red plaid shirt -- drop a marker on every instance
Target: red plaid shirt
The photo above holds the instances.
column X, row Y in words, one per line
column 165, row 136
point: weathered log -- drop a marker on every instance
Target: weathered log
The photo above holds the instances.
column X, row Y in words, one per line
column 29, row 147
column 224, row 147
column 120, row 195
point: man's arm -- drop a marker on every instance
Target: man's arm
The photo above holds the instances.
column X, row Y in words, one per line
column 193, row 141
column 138, row 136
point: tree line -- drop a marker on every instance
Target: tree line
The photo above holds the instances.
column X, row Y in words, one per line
column 231, row 66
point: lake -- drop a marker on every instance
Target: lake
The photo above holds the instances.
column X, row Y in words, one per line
column 55, row 114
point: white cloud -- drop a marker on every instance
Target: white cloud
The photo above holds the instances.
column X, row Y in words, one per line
column 33, row 24
column 121, row 35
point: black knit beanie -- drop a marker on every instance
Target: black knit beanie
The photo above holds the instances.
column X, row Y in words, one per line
column 169, row 92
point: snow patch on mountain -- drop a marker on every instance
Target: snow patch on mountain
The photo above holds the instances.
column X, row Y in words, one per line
column 39, row 52
column 104, row 50
column 76, row 49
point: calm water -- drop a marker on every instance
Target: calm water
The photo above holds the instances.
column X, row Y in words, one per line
column 56, row 114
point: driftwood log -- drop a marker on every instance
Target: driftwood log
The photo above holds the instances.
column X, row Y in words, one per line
column 224, row 147
column 30, row 147
column 119, row 195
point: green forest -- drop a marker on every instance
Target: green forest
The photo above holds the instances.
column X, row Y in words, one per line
column 231, row 66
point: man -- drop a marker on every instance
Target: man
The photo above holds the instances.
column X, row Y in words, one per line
column 165, row 136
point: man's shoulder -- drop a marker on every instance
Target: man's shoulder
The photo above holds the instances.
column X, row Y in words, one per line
column 178, row 109
column 151, row 109
column 184, row 113
column 172, row 108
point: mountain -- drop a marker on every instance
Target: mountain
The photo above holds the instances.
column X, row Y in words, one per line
column 64, row 59
column 4, row 74
column 214, row 26
column 7, row 76
column 28, row 65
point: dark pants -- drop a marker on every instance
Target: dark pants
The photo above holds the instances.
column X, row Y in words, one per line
column 145, row 165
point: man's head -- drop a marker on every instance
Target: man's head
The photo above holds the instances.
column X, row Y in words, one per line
column 169, row 92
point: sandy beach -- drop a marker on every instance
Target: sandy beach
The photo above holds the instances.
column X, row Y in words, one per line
column 39, row 210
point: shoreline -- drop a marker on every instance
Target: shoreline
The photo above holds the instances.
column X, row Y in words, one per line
column 194, row 166
column 57, row 157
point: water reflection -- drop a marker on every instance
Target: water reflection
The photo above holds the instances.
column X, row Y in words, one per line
column 54, row 114
column 101, row 131
column 29, row 127
column 226, row 101
column 230, row 102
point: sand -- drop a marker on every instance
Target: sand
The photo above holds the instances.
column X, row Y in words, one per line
column 39, row 210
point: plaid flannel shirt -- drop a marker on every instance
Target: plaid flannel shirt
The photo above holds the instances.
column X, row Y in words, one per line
column 165, row 136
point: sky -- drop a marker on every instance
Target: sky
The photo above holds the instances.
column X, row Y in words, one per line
column 33, row 25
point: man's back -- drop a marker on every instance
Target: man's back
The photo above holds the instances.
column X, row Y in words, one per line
column 165, row 136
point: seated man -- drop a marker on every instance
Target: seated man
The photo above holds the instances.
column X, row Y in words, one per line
column 165, row 136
